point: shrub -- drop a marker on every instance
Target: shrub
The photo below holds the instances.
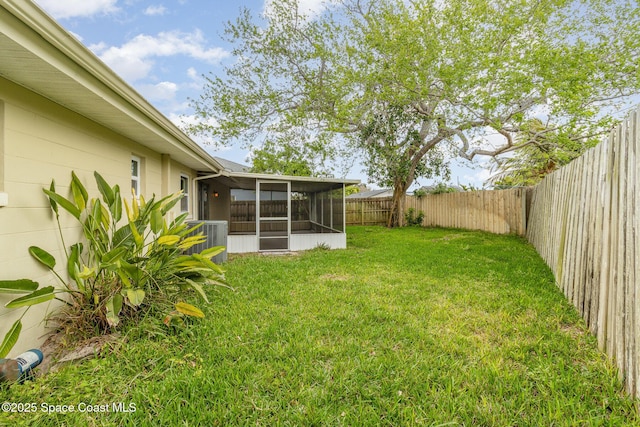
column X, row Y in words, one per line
column 411, row 219
column 123, row 266
column 442, row 188
column 420, row 193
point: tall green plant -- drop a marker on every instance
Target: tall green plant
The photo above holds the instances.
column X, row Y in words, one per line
column 123, row 263
column 411, row 218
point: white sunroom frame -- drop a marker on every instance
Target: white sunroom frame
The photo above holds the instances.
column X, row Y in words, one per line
column 260, row 218
column 336, row 239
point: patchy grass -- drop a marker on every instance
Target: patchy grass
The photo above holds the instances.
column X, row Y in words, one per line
column 406, row 327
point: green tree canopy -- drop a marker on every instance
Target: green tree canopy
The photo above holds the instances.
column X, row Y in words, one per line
column 409, row 85
column 542, row 150
column 291, row 159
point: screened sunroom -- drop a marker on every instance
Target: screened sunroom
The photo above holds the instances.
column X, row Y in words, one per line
column 276, row 213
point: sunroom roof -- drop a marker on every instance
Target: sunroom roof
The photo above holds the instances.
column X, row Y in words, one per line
column 247, row 181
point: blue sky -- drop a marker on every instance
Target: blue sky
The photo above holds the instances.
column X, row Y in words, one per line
column 162, row 49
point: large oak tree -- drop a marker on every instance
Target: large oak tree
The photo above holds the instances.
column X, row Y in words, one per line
column 409, row 85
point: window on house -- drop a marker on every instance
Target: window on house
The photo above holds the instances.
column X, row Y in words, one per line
column 184, row 186
column 135, row 175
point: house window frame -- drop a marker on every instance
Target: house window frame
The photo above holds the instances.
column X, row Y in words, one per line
column 136, row 178
column 185, row 183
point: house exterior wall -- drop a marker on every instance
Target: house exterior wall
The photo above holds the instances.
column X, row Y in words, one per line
column 2, row 151
column 219, row 206
column 41, row 141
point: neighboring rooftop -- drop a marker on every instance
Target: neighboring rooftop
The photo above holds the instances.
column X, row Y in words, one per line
column 232, row 166
column 384, row 192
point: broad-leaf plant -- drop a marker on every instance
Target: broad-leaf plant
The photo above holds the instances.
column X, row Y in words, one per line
column 130, row 257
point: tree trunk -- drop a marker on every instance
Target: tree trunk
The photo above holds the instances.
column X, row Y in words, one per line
column 396, row 215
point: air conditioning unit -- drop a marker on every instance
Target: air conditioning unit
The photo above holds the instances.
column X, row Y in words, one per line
column 216, row 234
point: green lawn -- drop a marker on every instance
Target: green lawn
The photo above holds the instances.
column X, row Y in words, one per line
column 406, row 327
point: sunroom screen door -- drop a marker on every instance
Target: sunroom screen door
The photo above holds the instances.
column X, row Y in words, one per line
column 273, row 213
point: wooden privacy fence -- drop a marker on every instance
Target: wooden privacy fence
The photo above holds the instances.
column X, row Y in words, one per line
column 499, row 211
column 374, row 211
column 246, row 210
column 585, row 223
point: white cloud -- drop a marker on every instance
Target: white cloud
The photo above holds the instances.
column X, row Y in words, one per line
column 474, row 173
column 134, row 59
column 193, row 74
column 312, row 7
column 479, row 177
column 309, row 8
column 72, row 8
column 159, row 92
column 183, row 121
column 541, row 111
column 98, row 47
column 195, row 80
column 155, row 10
column 129, row 67
column 189, row 120
column 76, row 35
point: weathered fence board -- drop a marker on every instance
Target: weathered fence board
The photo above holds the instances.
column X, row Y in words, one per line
column 584, row 221
column 246, row 210
column 374, row 211
column 499, row 211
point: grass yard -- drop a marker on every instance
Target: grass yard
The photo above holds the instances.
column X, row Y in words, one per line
column 407, row 327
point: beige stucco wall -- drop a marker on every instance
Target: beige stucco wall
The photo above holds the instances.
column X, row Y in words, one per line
column 41, row 141
column 1, row 146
